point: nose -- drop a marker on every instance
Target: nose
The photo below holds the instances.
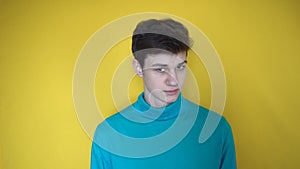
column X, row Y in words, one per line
column 172, row 79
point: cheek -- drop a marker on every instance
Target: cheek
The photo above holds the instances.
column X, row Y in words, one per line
column 181, row 76
column 154, row 82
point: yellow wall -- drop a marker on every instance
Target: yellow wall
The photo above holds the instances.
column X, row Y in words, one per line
column 258, row 42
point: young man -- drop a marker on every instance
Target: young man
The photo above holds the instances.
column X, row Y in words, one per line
column 161, row 129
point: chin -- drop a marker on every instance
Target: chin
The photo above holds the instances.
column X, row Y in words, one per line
column 172, row 99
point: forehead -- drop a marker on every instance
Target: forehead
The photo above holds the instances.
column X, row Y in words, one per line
column 168, row 59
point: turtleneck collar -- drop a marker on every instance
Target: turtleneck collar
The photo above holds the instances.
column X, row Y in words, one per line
column 164, row 113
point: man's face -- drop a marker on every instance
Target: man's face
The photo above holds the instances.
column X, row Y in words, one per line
column 163, row 75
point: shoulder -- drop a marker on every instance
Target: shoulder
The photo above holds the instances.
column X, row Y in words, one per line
column 111, row 123
column 208, row 120
column 104, row 126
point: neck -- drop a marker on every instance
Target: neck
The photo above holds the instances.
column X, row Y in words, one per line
column 158, row 113
column 155, row 101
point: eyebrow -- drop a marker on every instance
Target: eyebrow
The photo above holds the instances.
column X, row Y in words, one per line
column 165, row 65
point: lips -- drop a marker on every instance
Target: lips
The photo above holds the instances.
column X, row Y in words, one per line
column 171, row 92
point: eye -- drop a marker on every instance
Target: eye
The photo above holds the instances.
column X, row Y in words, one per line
column 180, row 67
column 160, row 70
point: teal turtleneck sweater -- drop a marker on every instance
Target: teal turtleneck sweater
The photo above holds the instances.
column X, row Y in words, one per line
column 144, row 137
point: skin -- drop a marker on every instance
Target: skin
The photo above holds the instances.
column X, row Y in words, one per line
column 163, row 76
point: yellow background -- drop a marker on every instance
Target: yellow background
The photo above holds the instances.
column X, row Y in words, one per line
column 40, row 40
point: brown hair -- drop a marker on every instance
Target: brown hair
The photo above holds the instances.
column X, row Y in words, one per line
column 158, row 36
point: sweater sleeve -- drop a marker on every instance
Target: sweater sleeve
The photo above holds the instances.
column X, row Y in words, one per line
column 228, row 150
column 99, row 158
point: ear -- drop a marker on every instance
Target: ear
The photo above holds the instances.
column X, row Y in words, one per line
column 137, row 67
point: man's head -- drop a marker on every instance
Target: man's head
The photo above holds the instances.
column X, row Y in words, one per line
column 159, row 36
column 160, row 49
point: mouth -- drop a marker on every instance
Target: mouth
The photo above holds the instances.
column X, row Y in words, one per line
column 172, row 92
